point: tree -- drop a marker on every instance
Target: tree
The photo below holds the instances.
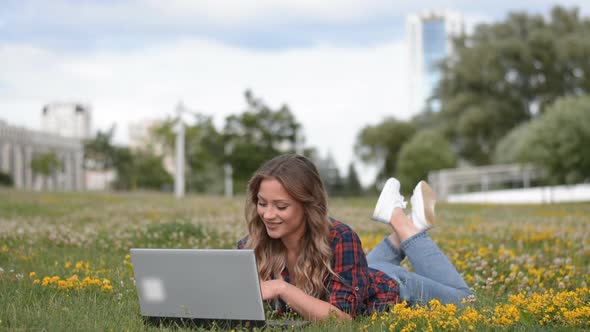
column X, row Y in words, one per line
column 259, row 134
column 427, row 151
column 381, row 143
column 558, row 141
column 330, row 174
column 99, row 152
column 140, row 170
column 507, row 73
column 352, row 184
column 46, row 164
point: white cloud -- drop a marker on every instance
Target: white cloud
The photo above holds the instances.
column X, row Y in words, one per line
column 334, row 92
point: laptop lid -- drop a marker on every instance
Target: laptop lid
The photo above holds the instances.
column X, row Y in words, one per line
column 202, row 284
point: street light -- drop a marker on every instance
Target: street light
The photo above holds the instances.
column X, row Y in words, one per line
column 228, row 171
column 179, row 188
column 179, row 171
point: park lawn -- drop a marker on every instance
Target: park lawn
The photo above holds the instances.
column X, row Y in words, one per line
column 64, row 261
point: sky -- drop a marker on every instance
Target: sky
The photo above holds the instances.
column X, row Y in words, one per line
column 339, row 65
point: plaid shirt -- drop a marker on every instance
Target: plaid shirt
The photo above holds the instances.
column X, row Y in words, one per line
column 358, row 289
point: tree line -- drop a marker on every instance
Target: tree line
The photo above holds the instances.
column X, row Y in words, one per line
column 246, row 140
column 512, row 91
column 515, row 91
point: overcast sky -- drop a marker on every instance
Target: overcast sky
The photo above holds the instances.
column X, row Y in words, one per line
column 339, row 65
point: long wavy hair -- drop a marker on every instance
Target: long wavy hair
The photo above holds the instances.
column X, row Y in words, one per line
column 301, row 180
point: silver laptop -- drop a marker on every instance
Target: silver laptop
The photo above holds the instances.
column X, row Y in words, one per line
column 199, row 287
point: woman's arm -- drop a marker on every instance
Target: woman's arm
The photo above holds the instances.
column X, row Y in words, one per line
column 307, row 306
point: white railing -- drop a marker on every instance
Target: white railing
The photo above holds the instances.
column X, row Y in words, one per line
column 460, row 180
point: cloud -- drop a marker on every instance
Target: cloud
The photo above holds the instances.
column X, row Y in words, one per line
column 333, row 91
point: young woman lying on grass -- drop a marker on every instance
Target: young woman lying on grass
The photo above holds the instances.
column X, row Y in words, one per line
column 316, row 265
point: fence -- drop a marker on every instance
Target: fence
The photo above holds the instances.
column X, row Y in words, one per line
column 484, row 178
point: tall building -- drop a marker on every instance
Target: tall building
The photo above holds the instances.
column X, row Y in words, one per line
column 429, row 37
column 67, row 120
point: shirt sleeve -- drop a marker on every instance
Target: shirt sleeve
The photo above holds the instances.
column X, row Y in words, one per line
column 348, row 290
column 242, row 243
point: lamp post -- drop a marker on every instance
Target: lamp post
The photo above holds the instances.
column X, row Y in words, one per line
column 179, row 171
column 228, row 171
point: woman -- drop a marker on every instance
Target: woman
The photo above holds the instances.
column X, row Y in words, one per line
column 316, row 265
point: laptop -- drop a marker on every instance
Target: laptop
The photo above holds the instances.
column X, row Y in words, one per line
column 200, row 287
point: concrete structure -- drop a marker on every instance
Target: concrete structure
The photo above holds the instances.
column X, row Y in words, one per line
column 18, row 146
column 429, row 37
column 447, row 182
column 67, row 119
column 538, row 195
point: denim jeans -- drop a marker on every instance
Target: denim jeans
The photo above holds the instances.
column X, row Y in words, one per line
column 435, row 277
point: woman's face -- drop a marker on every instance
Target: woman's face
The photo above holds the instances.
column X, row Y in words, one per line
column 282, row 214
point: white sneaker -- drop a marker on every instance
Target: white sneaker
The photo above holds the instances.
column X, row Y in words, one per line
column 389, row 199
column 423, row 201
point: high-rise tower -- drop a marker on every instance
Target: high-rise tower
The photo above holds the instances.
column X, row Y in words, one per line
column 429, row 37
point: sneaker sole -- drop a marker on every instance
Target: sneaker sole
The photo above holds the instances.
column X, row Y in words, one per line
column 429, row 199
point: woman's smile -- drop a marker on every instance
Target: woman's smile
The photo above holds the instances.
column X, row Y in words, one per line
column 281, row 214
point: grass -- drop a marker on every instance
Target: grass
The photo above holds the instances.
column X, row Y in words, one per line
column 527, row 264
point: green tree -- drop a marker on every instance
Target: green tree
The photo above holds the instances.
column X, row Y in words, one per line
column 352, row 184
column 506, row 73
column 99, row 152
column 427, row 151
column 140, row 170
column 258, row 134
column 381, row 143
column 558, row 141
column 330, row 174
column 45, row 164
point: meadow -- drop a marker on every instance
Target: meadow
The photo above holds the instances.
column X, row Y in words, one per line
column 64, row 262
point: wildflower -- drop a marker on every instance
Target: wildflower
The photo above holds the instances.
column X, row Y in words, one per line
column 32, row 275
column 106, row 288
column 505, row 314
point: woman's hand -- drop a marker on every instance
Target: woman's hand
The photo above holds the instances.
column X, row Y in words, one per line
column 271, row 289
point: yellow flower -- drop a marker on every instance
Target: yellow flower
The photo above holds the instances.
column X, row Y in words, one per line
column 32, row 275
column 67, row 265
column 505, row 314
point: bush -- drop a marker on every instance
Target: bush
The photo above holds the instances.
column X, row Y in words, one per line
column 426, row 151
column 5, row 180
column 558, row 141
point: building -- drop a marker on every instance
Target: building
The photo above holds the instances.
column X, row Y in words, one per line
column 429, row 39
column 67, row 120
column 20, row 146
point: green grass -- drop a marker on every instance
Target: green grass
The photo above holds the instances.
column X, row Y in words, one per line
column 501, row 250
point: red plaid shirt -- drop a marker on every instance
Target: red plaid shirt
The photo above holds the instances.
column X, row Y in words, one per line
column 358, row 289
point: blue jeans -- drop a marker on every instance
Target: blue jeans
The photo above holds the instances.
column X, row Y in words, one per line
column 435, row 276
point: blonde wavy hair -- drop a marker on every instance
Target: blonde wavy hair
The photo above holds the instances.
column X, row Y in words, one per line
column 301, row 180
